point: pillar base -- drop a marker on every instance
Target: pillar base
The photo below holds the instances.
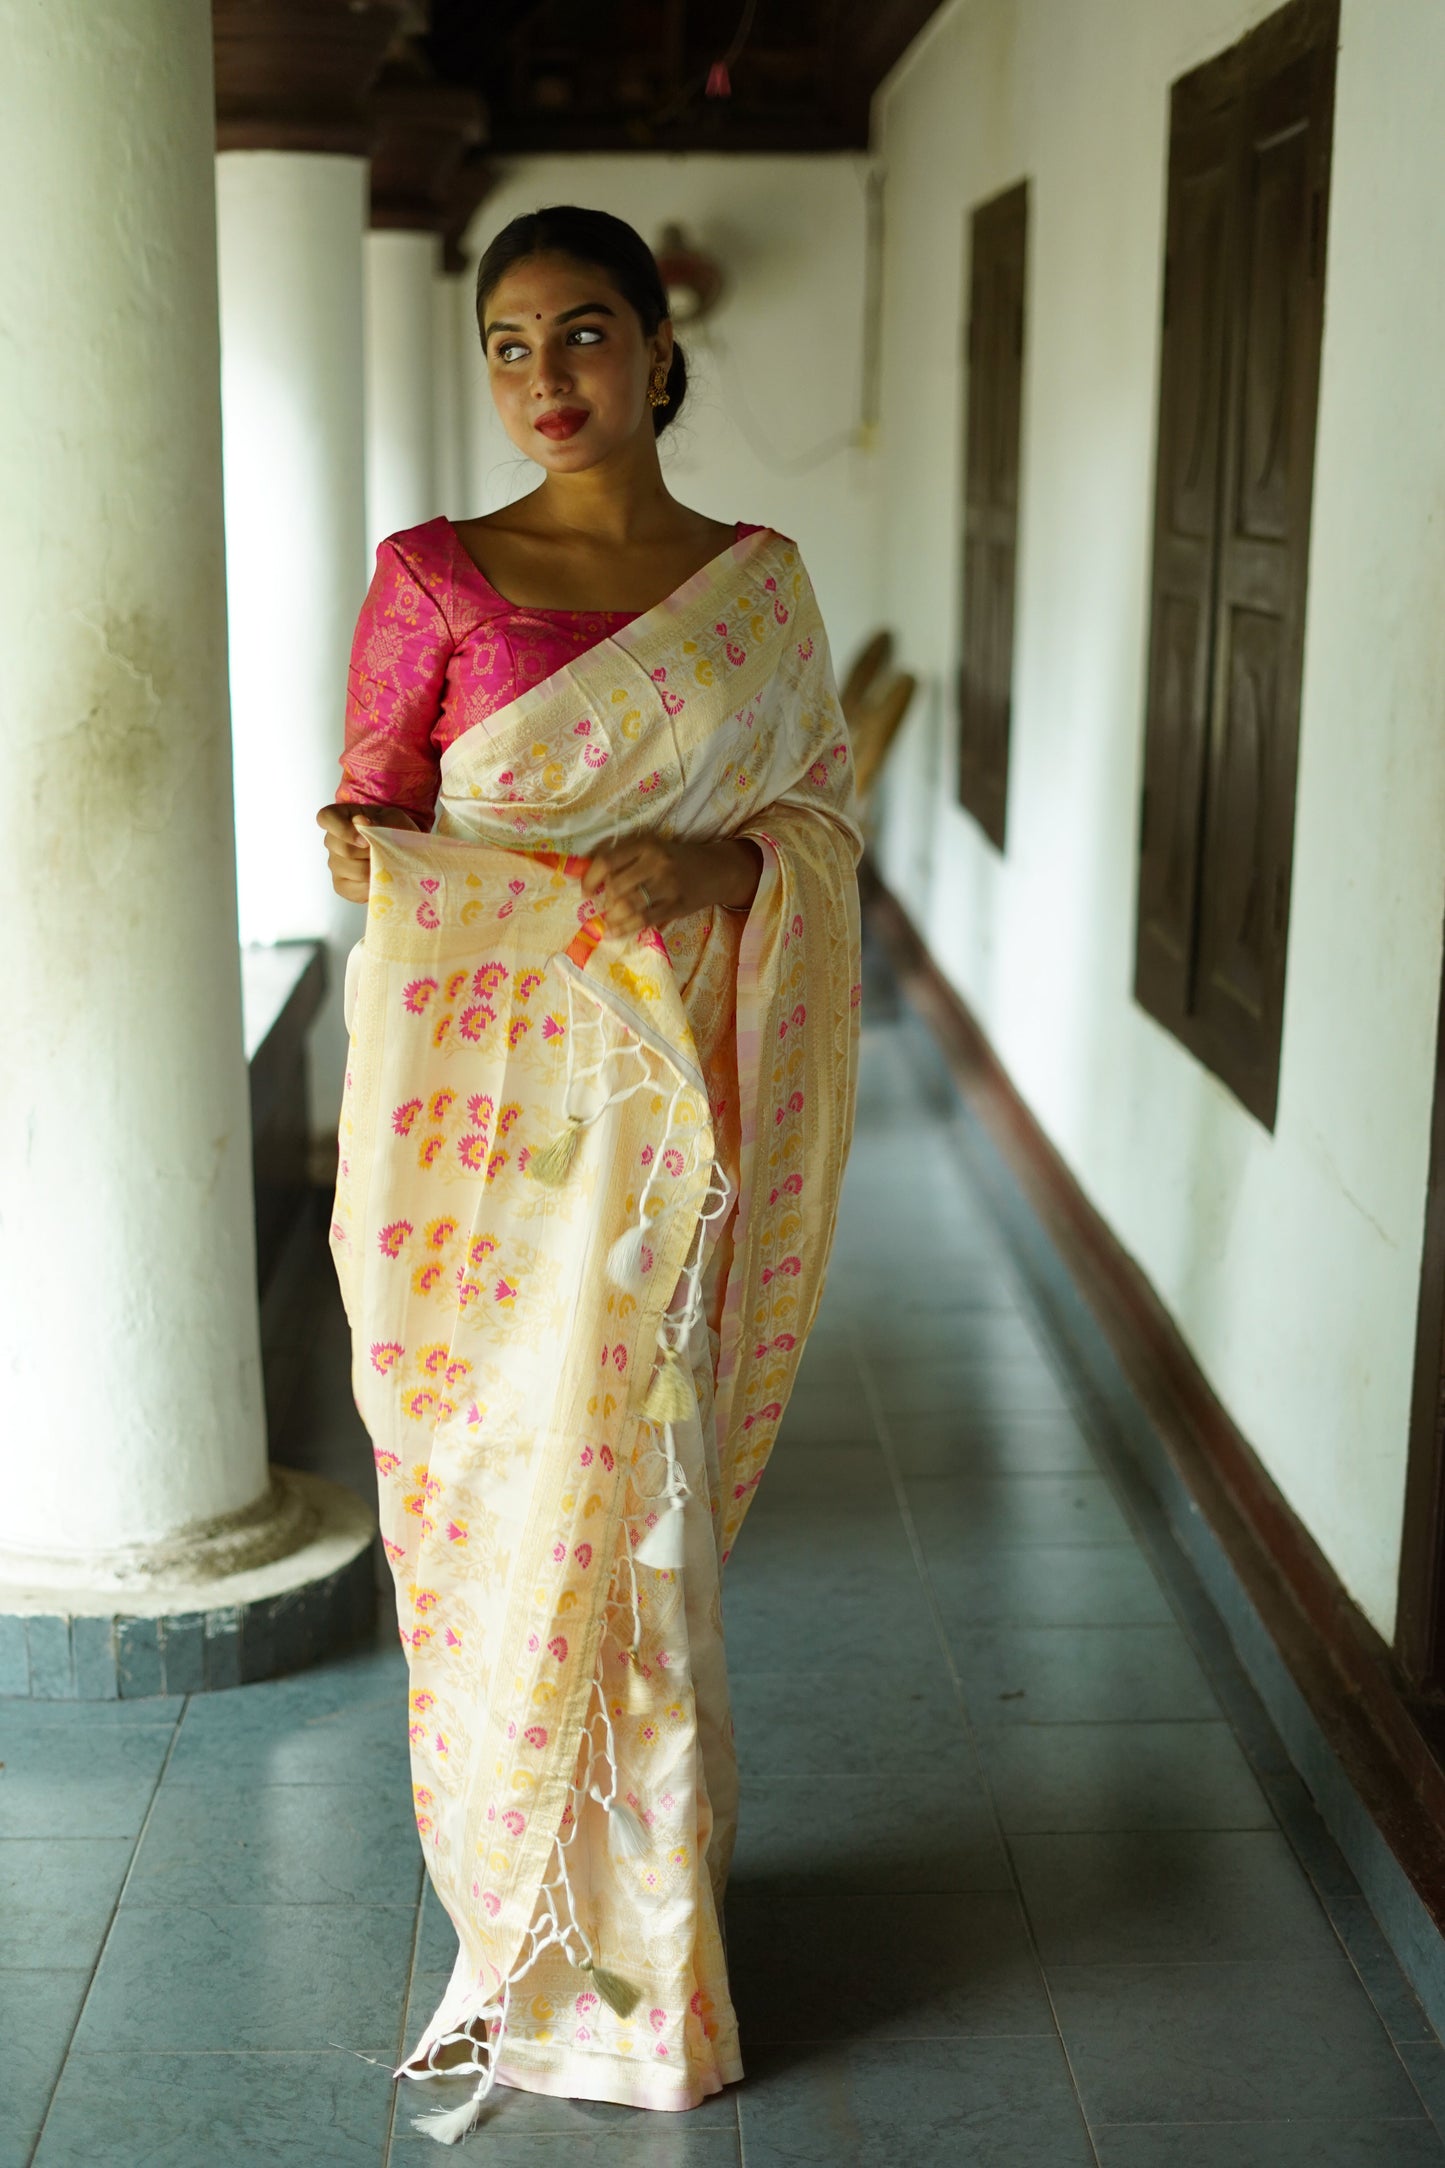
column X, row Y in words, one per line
column 181, row 1635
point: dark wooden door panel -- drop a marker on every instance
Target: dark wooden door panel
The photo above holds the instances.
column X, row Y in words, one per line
column 998, row 240
column 1276, row 313
column 1186, row 519
column 1239, row 374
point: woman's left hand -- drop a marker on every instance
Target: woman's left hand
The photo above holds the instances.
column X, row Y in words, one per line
column 649, row 881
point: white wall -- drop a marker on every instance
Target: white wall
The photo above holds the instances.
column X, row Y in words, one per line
column 1290, row 1261
column 404, row 382
column 775, row 373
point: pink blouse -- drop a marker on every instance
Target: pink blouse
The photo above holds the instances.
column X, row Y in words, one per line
column 436, row 650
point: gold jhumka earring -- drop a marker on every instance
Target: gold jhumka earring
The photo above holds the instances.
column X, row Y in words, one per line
column 657, row 391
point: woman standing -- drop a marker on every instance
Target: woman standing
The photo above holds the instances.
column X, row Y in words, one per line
column 599, row 1097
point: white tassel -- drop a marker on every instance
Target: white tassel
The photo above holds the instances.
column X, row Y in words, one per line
column 625, row 1260
column 663, row 1547
column 552, row 1165
column 627, row 1836
column 448, row 2126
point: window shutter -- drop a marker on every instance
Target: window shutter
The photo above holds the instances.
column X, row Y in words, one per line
column 1239, row 377
column 998, row 240
column 1276, row 315
column 1186, row 525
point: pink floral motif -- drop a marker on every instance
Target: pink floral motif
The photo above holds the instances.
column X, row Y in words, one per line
column 649, row 783
column 583, row 1555
column 430, row 1147
column 404, row 1115
column 492, row 1902
column 535, row 1736
column 487, row 978
column 385, row 1355
column 596, row 756
column 457, row 1532
column 517, row 1029
column 647, row 1155
column 504, row 1292
column 418, row 994
column 386, row 1463
column 426, row 915
column 527, row 984
column 508, row 1119
column 472, row 1151
column 479, row 1106
column 558, row 1647
column 392, row 1239
column 552, row 1027
column 439, row 1232
column 474, row 1021
column 657, row 2019
column 455, row 984
column 442, row 1027
column 514, row 1821
column 672, row 1160
column 441, row 1104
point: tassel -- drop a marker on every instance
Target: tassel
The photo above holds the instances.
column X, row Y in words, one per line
column 448, row 2126
column 625, row 1265
column 618, row 1994
column 553, row 1163
column 662, row 1547
column 670, row 1396
column 627, row 1833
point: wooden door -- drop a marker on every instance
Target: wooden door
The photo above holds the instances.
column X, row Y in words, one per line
column 998, row 245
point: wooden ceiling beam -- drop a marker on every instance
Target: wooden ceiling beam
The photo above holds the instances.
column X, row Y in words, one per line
column 292, row 75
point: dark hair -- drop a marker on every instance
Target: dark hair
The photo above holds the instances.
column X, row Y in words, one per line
column 597, row 238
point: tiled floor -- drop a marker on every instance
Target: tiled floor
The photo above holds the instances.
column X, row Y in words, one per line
column 1011, row 1891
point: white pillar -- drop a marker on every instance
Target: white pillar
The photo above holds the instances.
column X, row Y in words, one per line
column 401, row 382
column 453, row 388
column 291, row 226
column 132, row 1441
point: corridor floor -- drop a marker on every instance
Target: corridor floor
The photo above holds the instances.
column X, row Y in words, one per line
column 1011, row 1890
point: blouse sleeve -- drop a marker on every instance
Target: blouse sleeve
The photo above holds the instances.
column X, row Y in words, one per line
column 399, row 658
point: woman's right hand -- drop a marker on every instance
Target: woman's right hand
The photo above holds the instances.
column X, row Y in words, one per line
column 347, row 850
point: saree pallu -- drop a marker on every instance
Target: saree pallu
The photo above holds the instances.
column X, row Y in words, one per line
column 587, row 1191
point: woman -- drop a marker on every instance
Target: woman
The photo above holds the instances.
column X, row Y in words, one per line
column 599, row 1096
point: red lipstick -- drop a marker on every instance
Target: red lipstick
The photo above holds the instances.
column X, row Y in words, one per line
column 561, row 423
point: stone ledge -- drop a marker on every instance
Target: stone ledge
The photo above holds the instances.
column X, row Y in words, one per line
column 278, row 1618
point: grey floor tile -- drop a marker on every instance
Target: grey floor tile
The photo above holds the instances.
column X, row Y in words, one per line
column 38, row 2011
column 1122, row 1776
column 73, row 1780
column 1352, row 2144
column 1155, row 1896
column 437, row 1941
column 923, row 2103
column 812, row 1476
column 1074, row 1675
column 1046, row 1584
column 848, row 1544
column 56, row 1898
column 989, row 1441
column 1425, row 2062
column 846, row 1723
column 1378, row 1967
column 1000, row 1382
column 327, row 2110
column 871, row 1834
column 878, row 1620
column 301, row 1844
column 341, row 1723
column 1227, row 2043
column 678, row 2143
column 837, row 1417
column 250, row 1976
column 958, row 1516
column 22, row 1721
column 807, row 1967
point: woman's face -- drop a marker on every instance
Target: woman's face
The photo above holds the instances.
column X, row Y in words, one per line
column 567, row 361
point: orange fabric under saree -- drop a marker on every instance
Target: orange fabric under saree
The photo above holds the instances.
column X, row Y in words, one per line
column 586, row 1198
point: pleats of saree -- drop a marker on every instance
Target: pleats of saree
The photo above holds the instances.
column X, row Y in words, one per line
column 646, row 1840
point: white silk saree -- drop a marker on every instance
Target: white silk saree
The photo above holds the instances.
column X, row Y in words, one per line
column 587, row 1192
